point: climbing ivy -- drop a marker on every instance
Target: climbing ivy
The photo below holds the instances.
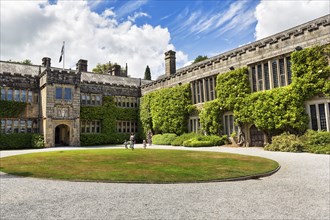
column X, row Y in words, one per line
column 311, row 71
column 11, row 109
column 273, row 111
column 145, row 113
column 211, row 117
column 166, row 110
column 276, row 110
column 108, row 113
column 232, row 87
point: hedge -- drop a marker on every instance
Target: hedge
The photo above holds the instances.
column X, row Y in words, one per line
column 178, row 141
column 20, row 141
column 205, row 141
column 311, row 141
column 163, row 139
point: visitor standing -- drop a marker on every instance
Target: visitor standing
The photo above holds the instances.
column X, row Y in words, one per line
column 132, row 141
column 149, row 138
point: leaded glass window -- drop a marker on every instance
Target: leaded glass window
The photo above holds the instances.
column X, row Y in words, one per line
column 266, row 76
column 29, row 96
column 58, row 93
column 16, row 95
column 313, row 117
column 288, row 67
column 254, row 79
column 67, row 94
column 260, row 82
column 275, row 74
column 282, row 72
column 323, row 120
column 3, row 94
column 23, row 96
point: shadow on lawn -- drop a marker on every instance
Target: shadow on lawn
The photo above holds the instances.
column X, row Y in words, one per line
column 14, row 175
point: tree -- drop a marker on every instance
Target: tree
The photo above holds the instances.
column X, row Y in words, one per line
column 147, row 74
column 25, row 62
column 103, row 68
column 199, row 59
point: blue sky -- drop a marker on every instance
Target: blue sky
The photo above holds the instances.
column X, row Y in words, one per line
column 139, row 32
column 195, row 26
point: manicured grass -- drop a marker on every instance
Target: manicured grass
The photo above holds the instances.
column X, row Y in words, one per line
column 140, row 165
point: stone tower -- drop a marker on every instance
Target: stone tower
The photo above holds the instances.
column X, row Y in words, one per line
column 60, row 104
column 170, row 64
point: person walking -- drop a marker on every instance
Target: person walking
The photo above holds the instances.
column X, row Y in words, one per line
column 144, row 144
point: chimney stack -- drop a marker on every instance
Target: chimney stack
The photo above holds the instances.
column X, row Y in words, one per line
column 81, row 66
column 46, row 62
column 170, row 64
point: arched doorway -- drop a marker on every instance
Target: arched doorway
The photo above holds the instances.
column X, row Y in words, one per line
column 62, row 135
column 256, row 137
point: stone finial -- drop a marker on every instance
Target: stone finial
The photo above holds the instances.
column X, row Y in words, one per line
column 170, row 63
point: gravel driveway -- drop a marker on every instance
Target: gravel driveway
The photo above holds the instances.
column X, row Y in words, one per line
column 299, row 190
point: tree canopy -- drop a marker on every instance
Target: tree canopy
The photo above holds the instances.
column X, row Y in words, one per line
column 102, row 68
column 200, row 58
column 25, row 62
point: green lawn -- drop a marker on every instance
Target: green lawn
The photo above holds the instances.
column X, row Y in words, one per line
column 153, row 166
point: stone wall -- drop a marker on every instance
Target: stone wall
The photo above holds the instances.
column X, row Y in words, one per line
column 316, row 32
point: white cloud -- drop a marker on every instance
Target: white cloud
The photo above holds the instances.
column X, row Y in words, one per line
column 129, row 7
column 276, row 16
column 32, row 30
column 138, row 15
column 236, row 18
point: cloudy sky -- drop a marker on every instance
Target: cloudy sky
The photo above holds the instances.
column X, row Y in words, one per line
column 139, row 32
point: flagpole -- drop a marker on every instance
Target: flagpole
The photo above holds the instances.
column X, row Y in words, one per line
column 63, row 54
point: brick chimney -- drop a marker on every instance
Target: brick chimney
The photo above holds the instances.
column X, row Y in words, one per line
column 81, row 66
column 170, row 64
column 46, row 62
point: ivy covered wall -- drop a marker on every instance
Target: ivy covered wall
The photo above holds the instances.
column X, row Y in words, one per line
column 108, row 113
column 276, row 110
column 166, row 110
column 11, row 109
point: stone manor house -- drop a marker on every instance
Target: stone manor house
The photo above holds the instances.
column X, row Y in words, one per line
column 53, row 96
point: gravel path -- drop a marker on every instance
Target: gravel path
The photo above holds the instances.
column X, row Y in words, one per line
column 299, row 190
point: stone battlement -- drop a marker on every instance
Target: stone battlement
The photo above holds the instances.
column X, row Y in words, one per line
column 315, row 32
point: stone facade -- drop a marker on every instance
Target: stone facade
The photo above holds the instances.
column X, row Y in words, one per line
column 54, row 96
column 266, row 57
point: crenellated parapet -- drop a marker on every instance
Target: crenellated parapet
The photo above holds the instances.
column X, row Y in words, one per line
column 19, row 81
column 58, row 76
column 316, row 32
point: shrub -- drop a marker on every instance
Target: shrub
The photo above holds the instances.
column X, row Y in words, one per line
column 316, row 142
column 37, row 141
column 163, row 139
column 285, row 142
column 15, row 141
column 178, row 141
column 205, row 141
column 194, row 142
